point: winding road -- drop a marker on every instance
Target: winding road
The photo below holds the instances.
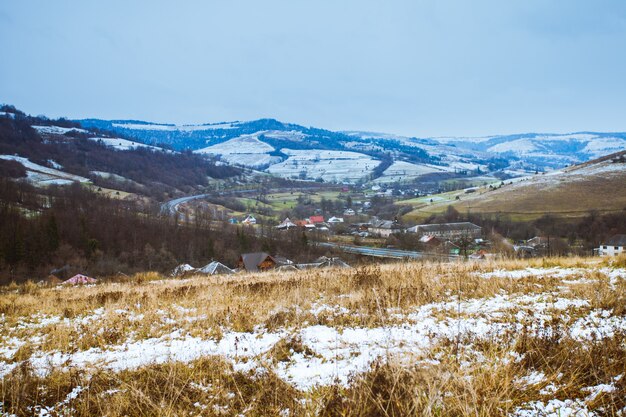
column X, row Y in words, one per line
column 171, row 206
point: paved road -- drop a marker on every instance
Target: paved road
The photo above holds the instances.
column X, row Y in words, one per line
column 172, row 205
column 385, row 253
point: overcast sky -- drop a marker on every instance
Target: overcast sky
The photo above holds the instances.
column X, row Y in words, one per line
column 419, row 68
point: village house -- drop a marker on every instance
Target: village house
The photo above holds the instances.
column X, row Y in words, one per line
column 257, row 261
column 215, row 268
column 614, row 246
column 384, row 228
column 430, row 241
column 316, row 219
column 286, row 224
column 349, row 212
column 334, row 219
column 250, row 220
column 538, row 242
column 447, row 230
column 547, row 245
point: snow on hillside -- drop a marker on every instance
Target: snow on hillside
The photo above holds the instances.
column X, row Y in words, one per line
column 251, row 160
column 558, row 178
column 406, row 171
column 246, row 150
column 543, row 145
column 42, row 175
column 457, row 139
column 246, row 144
column 292, row 135
column 527, row 151
column 572, row 147
column 452, row 158
column 334, row 166
column 605, row 147
column 373, row 135
column 185, row 128
column 57, row 130
column 125, row 145
column 110, row 175
column 519, row 146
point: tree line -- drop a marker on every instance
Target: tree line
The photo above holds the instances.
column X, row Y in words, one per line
column 83, row 231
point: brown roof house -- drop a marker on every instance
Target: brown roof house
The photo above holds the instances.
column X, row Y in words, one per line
column 257, row 261
column 51, row 280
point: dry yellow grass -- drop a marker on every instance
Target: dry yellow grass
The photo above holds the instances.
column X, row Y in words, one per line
column 540, row 194
column 457, row 374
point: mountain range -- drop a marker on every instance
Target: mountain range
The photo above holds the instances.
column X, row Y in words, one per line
column 295, row 151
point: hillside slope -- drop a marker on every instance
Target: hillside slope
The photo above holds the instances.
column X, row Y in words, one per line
column 574, row 191
column 45, row 152
column 545, row 149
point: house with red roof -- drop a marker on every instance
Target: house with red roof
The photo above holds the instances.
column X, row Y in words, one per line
column 316, row 219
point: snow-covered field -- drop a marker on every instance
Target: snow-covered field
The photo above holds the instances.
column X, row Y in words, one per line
column 335, row 166
column 184, row 128
column 42, row 175
column 57, row 130
column 245, row 150
column 251, row 151
column 539, row 146
column 571, row 147
column 335, row 326
column 125, row 145
column 401, row 171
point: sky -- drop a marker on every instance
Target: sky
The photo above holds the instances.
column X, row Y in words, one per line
column 410, row 67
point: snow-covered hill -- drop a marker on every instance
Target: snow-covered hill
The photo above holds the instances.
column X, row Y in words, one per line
column 246, row 150
column 541, row 148
column 40, row 175
column 331, row 166
column 266, row 143
column 125, row 144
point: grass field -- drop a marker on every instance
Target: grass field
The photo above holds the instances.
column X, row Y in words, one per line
column 572, row 193
column 498, row 338
column 287, row 201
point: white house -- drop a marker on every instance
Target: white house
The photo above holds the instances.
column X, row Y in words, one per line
column 250, row 219
column 286, row 224
column 335, row 220
column 614, row 246
column 348, row 212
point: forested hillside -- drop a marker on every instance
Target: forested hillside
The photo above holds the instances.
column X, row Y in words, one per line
column 148, row 171
column 71, row 226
